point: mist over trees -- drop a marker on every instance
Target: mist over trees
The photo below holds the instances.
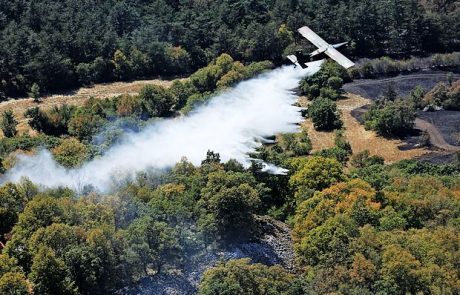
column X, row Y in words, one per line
column 49, row 45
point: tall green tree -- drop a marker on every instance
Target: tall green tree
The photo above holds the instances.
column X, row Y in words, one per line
column 9, row 124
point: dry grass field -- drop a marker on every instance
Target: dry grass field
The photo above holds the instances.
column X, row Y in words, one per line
column 359, row 138
column 76, row 98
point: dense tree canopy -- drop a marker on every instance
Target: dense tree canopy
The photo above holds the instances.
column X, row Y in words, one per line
column 359, row 226
column 61, row 44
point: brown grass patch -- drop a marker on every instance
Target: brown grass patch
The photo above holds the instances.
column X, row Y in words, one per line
column 359, row 138
column 76, row 98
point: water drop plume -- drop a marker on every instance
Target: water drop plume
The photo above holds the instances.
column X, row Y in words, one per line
column 232, row 124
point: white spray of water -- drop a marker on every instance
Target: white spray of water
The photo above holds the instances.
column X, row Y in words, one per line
column 232, row 124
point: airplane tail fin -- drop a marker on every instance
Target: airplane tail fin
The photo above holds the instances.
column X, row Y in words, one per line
column 339, row 45
column 295, row 61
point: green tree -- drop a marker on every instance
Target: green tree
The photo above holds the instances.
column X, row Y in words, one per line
column 400, row 271
column 11, row 205
column 178, row 60
column 156, row 100
column 391, row 119
column 14, row 283
column 416, row 96
column 182, row 91
column 335, row 83
column 316, row 173
column 152, row 244
column 240, row 277
column 122, row 65
column 324, row 114
column 8, row 124
column 128, row 105
column 50, row 275
column 35, row 92
column 327, row 244
column 227, row 204
column 84, row 125
column 71, row 153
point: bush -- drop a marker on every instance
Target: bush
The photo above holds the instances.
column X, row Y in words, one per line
column 391, row 118
column 54, row 122
column 331, row 75
column 195, row 101
column 416, row 96
column 182, row 90
column 241, row 277
column 129, row 106
column 205, row 79
column 324, row 114
column 342, row 150
column 71, row 153
column 84, row 125
column 156, row 100
column 177, row 60
column 26, row 143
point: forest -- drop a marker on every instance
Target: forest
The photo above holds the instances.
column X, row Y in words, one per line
column 56, row 45
column 359, row 225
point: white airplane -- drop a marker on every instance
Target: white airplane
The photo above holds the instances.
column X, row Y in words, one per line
column 323, row 48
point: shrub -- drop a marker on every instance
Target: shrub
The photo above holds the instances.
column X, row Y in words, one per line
column 335, row 83
column 84, row 125
column 195, row 101
column 54, row 122
column 391, row 118
column 324, row 114
column 35, row 92
column 71, row 153
column 182, row 90
column 156, row 100
column 331, row 75
column 177, row 60
column 129, row 106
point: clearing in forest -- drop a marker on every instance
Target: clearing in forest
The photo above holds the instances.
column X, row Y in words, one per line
column 76, row 98
column 392, row 150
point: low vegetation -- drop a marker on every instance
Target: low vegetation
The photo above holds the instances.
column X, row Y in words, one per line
column 390, row 118
column 324, row 114
column 386, row 66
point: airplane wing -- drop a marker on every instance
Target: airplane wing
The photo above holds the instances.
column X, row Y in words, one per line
column 323, row 46
column 339, row 58
column 313, row 37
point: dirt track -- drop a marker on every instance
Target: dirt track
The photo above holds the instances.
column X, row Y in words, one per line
column 436, row 138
